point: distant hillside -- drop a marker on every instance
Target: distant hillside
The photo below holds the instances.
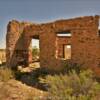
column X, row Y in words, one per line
column 2, row 55
column 2, row 50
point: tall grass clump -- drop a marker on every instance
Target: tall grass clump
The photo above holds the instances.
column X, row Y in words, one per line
column 6, row 74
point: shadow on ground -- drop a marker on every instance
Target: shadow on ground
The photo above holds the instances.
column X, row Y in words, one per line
column 32, row 78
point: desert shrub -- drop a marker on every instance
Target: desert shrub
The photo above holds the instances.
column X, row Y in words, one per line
column 70, row 66
column 72, row 86
column 6, row 74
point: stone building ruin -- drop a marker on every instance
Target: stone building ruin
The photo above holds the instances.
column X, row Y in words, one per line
column 76, row 39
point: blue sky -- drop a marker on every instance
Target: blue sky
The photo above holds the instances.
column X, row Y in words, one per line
column 39, row 11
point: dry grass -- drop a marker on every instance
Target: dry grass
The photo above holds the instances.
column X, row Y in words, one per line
column 6, row 74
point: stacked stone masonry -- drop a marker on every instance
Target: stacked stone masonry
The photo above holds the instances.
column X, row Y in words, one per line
column 84, row 41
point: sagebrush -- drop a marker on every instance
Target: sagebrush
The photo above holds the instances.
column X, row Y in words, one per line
column 74, row 86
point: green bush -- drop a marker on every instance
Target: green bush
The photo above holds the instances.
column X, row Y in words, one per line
column 74, row 86
column 70, row 66
column 6, row 74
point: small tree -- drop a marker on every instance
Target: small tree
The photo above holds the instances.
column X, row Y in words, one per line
column 35, row 52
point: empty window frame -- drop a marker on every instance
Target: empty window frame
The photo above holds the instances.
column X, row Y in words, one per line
column 67, row 51
column 99, row 24
column 99, row 28
column 63, row 34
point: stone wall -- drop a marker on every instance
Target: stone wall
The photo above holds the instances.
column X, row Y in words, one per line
column 15, row 43
column 85, row 41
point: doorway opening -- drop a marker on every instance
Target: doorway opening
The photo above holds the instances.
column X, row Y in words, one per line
column 35, row 53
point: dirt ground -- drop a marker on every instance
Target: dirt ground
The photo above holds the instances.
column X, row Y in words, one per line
column 15, row 90
column 23, row 89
